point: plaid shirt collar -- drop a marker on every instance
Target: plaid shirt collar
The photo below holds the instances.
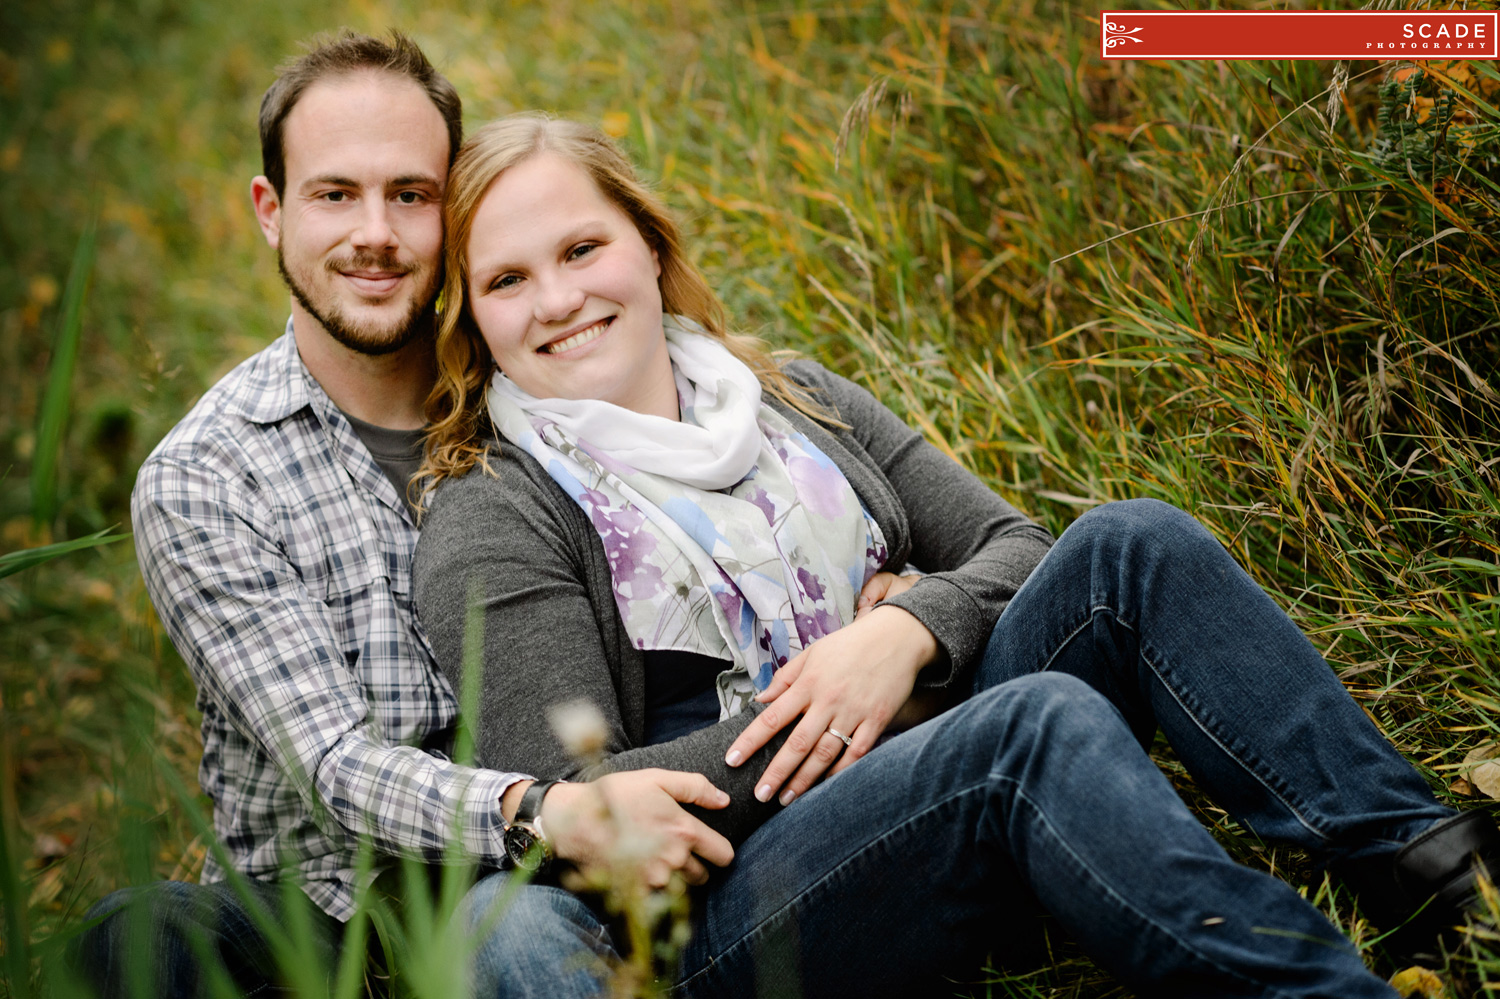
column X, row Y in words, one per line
column 279, row 385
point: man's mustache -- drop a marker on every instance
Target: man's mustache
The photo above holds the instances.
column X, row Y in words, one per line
column 371, row 262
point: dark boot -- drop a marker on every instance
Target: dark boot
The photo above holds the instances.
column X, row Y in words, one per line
column 1423, row 894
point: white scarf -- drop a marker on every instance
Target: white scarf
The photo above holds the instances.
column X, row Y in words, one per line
column 728, row 533
column 714, row 452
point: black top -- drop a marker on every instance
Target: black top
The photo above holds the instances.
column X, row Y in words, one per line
column 397, row 452
column 681, row 693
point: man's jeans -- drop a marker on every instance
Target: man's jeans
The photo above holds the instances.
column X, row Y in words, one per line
column 174, row 940
column 1036, row 795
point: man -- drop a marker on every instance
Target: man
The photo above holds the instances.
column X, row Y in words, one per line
column 275, row 534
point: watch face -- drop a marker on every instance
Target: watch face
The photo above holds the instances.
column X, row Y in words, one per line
column 523, row 848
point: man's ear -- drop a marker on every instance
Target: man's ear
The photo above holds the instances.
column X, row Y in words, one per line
column 267, row 210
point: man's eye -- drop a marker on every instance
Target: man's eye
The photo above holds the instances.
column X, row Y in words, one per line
column 409, row 197
column 335, row 196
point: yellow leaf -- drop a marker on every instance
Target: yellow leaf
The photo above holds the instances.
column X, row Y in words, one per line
column 1482, row 768
column 1419, row 981
column 615, row 123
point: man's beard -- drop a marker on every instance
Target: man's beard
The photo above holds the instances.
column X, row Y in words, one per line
column 367, row 338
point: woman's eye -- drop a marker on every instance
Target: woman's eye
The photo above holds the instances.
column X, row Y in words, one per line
column 505, row 281
column 582, row 250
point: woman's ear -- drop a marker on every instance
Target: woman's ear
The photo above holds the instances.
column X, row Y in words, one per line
column 656, row 259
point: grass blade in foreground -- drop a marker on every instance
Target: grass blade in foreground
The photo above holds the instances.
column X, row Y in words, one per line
column 19, row 561
column 57, row 401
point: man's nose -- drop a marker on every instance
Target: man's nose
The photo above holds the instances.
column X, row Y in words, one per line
column 374, row 231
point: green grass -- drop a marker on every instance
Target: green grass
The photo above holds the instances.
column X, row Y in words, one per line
column 1085, row 280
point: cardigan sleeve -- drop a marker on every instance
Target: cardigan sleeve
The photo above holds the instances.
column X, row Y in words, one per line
column 975, row 547
column 518, row 552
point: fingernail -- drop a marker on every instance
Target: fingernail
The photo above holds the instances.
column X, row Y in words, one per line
column 734, row 757
column 787, row 796
column 723, row 797
column 763, row 793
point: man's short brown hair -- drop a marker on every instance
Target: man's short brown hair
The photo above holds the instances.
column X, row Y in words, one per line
column 340, row 55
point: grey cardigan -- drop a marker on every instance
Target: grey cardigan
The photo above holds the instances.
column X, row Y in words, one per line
column 519, row 546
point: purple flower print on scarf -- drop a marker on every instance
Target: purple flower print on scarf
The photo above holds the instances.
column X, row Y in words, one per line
column 737, row 611
column 762, row 500
column 820, row 485
column 809, row 583
column 627, row 548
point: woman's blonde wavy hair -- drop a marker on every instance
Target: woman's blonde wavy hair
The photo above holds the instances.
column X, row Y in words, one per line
column 457, row 436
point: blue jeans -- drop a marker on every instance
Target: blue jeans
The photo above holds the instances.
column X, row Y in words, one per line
column 175, row 940
column 1035, row 795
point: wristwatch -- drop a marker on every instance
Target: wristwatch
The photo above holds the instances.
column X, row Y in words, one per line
column 526, row 844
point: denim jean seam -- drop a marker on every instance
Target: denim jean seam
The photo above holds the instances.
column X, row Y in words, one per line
column 1152, row 659
column 770, row 919
column 1063, row 644
column 1110, row 892
column 1290, row 801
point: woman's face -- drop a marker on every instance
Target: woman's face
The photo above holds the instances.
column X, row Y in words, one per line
column 564, row 290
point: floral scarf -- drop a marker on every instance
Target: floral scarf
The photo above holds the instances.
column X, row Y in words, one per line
column 728, row 533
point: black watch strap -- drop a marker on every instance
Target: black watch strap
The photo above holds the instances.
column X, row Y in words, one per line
column 531, row 801
column 526, row 844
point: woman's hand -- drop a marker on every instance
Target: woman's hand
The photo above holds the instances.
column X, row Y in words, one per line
column 881, row 586
column 635, row 820
column 853, row 681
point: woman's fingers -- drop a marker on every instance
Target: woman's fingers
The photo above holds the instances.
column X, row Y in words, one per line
column 823, row 755
column 863, row 741
column 777, row 715
column 783, row 678
column 804, row 740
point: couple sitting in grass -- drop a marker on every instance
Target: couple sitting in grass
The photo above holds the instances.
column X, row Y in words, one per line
column 869, row 712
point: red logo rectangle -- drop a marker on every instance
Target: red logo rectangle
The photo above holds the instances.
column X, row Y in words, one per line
column 1302, row 34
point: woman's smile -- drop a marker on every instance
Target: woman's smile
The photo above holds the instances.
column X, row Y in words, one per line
column 572, row 341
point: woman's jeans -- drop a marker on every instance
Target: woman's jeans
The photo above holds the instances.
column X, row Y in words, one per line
column 1035, row 795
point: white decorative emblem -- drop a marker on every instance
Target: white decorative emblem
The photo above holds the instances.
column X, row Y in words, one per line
column 1116, row 35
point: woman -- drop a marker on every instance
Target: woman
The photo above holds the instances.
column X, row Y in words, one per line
column 671, row 527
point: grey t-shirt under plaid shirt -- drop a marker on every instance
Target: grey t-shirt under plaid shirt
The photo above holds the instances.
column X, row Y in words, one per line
column 278, row 555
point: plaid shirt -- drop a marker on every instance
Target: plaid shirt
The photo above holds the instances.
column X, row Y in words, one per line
column 279, row 557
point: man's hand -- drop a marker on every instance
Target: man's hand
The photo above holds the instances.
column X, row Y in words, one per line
column 635, row 820
column 881, row 586
column 854, row 681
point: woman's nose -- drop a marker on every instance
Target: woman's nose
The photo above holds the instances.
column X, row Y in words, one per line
column 557, row 299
